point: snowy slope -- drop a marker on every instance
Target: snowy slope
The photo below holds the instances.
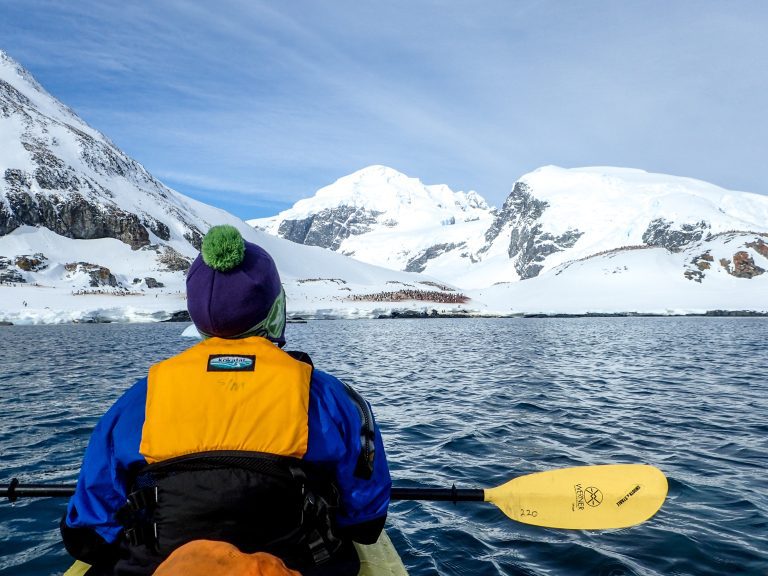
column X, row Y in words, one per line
column 87, row 233
column 318, row 283
column 650, row 280
column 381, row 216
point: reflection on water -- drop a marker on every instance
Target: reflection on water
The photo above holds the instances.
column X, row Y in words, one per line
column 470, row 402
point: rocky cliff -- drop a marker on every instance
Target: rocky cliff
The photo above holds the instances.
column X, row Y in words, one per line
column 529, row 244
column 59, row 173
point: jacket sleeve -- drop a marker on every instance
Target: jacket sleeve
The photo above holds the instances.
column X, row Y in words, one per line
column 335, row 439
column 89, row 526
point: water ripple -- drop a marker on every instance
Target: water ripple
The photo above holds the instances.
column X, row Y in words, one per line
column 470, row 402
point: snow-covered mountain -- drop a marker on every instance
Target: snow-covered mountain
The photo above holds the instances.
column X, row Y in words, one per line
column 87, row 232
column 552, row 216
column 555, row 215
column 381, row 216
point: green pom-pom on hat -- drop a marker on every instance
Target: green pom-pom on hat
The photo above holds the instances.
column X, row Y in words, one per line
column 223, row 248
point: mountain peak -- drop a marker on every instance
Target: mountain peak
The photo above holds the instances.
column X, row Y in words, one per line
column 376, row 172
column 383, row 189
column 401, row 218
column 19, row 87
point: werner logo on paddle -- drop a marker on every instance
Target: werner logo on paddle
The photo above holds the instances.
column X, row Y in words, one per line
column 589, row 496
column 231, row 363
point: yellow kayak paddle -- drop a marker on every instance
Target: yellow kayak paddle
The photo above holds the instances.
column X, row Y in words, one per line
column 579, row 498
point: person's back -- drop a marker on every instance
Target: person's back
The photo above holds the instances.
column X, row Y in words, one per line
column 232, row 440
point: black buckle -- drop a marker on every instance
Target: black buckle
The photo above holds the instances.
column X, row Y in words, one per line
column 136, row 516
column 318, row 548
column 142, row 534
column 143, row 499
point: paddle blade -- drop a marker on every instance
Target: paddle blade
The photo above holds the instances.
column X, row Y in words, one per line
column 584, row 497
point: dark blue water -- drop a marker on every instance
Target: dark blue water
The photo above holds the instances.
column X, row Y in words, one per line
column 471, row 402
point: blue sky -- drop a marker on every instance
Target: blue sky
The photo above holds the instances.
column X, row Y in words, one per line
column 252, row 105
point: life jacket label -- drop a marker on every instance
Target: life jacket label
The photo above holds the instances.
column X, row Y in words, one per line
column 231, row 363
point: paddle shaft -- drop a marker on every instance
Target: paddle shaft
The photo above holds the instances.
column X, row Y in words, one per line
column 442, row 494
column 16, row 490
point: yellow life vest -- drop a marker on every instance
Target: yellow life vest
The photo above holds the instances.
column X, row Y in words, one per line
column 221, row 394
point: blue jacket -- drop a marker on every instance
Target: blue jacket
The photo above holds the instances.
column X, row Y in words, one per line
column 333, row 439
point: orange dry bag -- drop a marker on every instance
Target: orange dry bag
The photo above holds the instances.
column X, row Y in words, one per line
column 212, row 558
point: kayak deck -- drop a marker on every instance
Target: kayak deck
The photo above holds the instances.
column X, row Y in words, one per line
column 379, row 559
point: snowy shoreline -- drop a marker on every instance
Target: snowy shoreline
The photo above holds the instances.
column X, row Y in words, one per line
column 181, row 316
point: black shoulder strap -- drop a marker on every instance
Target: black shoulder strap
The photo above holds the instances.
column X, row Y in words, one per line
column 300, row 356
column 364, row 467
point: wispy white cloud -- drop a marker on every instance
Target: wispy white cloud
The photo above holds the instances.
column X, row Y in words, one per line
column 270, row 100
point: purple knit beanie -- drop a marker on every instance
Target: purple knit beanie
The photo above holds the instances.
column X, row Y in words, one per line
column 234, row 290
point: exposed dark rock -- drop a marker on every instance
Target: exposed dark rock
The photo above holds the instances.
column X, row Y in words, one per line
column 419, row 263
column 334, row 280
column 100, row 275
column 529, row 247
column 34, row 263
column 647, row 315
column 529, row 244
column 422, row 314
column 328, row 228
column 158, row 228
column 759, row 246
column 152, row 283
column 71, row 216
column 12, row 101
column 732, row 313
column 180, row 316
column 520, row 205
column 96, row 319
column 743, row 266
column 695, row 275
column 11, row 277
column 702, row 262
column 51, row 172
column 194, row 237
column 661, row 232
column 102, row 158
column 172, row 260
column 67, row 199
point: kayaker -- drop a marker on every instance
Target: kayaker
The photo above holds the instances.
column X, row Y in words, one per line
column 232, row 440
